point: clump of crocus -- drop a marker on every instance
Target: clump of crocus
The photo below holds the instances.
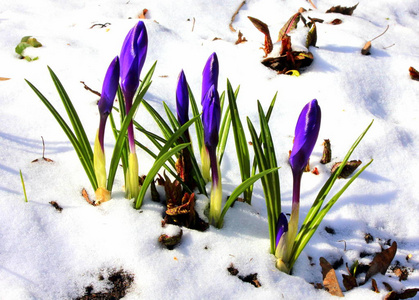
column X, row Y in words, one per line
column 110, row 86
column 132, row 58
column 306, row 133
column 209, row 79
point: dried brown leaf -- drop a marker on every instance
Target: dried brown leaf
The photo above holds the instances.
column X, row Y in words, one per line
column 406, row 294
column 374, row 286
column 330, row 281
column 349, row 282
column 348, row 169
column 240, row 38
column 56, row 206
column 336, row 22
column 381, row 261
column 327, row 152
column 143, row 14
column 342, row 10
column 4, row 78
column 262, row 27
column 414, row 74
column 86, row 197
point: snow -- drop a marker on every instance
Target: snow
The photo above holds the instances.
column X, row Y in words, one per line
column 45, row 254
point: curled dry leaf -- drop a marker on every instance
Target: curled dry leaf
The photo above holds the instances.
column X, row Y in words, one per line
column 240, row 38
column 143, row 13
column 381, row 261
column 327, row 152
column 348, row 169
column 374, row 286
column 171, row 241
column 406, row 294
column 262, row 27
column 414, row 74
column 342, row 10
column 336, row 22
column 330, row 281
column 290, row 25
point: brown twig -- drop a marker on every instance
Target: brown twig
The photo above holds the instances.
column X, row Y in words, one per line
column 381, row 34
column 89, row 89
column 193, row 23
column 234, row 16
column 311, row 2
column 101, row 25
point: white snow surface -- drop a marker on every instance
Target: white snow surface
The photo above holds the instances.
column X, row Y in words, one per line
column 45, row 254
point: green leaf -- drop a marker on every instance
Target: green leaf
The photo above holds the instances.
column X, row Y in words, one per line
column 161, row 159
column 23, row 186
column 240, row 141
column 33, row 42
column 312, row 36
column 88, row 168
column 121, row 140
column 239, row 190
column 21, row 47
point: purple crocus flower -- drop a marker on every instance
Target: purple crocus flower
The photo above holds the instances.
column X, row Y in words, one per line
column 306, row 133
column 281, row 227
column 210, row 75
column 182, row 99
column 109, row 88
column 211, row 117
column 133, row 55
column 132, row 58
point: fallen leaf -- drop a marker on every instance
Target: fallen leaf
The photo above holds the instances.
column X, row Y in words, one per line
column 290, row 25
column 368, row 238
column 401, row 272
column 262, row 27
column 171, row 241
column 4, row 78
column 342, row 10
column 330, row 281
column 232, row 270
column 143, row 13
column 414, row 74
column 240, row 38
column 252, row 279
column 311, row 39
column 336, row 22
column 366, row 49
column 56, row 206
column 327, row 152
column 381, row 261
column 374, row 286
column 406, row 294
column 348, row 169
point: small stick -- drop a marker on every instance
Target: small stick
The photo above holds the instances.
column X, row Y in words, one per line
column 101, row 25
column 381, row 34
column 234, row 16
column 311, row 2
column 90, row 90
column 193, row 23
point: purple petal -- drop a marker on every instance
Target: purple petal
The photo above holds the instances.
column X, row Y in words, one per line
column 182, row 99
column 281, row 227
column 211, row 118
column 109, row 88
column 210, row 75
column 306, row 133
column 132, row 57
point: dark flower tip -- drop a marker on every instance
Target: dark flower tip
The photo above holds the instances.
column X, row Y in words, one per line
column 210, row 75
column 211, row 117
column 109, row 88
column 182, row 99
column 306, row 133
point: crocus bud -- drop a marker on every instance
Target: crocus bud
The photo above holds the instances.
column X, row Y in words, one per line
column 211, row 118
column 306, row 133
column 132, row 57
column 281, row 227
column 109, row 88
column 209, row 75
column 182, row 99
column 282, row 248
